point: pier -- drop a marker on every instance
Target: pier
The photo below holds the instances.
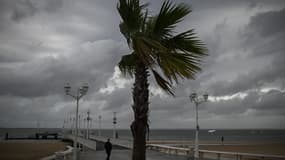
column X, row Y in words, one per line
column 46, row 135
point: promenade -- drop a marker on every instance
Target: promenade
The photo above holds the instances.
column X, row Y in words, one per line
column 89, row 152
column 126, row 155
column 122, row 150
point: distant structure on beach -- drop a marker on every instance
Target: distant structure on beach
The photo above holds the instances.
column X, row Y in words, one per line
column 212, row 131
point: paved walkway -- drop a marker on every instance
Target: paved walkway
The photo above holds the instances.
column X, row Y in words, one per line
column 126, row 155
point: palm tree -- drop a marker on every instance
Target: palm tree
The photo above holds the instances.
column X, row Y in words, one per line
column 157, row 49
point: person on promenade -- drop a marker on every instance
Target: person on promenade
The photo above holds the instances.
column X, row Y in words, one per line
column 222, row 139
column 108, row 148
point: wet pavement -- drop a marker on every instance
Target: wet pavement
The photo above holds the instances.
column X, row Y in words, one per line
column 126, row 155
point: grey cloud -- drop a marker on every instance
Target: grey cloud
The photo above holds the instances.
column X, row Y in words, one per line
column 270, row 103
column 263, row 50
column 51, row 5
column 273, row 100
column 28, row 111
column 252, row 80
column 9, row 57
column 17, row 10
column 47, row 76
column 22, row 9
column 265, row 33
column 268, row 23
column 54, row 42
column 118, row 99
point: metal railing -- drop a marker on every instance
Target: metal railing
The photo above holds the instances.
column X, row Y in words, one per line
column 60, row 155
column 213, row 154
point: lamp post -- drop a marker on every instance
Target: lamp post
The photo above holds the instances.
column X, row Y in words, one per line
column 99, row 129
column 70, row 124
column 88, row 123
column 197, row 100
column 91, row 127
column 79, row 124
column 83, row 126
column 73, row 125
column 114, row 123
column 79, row 94
column 63, row 126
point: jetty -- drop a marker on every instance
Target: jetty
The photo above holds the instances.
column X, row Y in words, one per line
column 37, row 136
column 46, row 135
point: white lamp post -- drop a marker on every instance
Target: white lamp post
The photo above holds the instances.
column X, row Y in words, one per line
column 73, row 125
column 79, row 124
column 70, row 124
column 88, row 123
column 197, row 100
column 114, row 123
column 99, row 129
column 79, row 94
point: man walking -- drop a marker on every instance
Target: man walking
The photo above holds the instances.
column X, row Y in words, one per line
column 108, row 148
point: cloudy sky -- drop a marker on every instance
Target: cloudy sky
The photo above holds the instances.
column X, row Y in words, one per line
column 47, row 43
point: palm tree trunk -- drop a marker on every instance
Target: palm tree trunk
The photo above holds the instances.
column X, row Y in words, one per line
column 139, row 126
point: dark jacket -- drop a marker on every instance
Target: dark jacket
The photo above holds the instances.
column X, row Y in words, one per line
column 108, row 147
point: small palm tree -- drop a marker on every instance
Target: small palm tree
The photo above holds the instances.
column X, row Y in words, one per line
column 157, row 49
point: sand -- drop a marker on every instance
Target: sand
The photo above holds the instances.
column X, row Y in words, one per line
column 28, row 150
column 270, row 148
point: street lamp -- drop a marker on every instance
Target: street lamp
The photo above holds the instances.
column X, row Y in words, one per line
column 88, row 123
column 79, row 94
column 99, row 129
column 114, row 123
column 197, row 100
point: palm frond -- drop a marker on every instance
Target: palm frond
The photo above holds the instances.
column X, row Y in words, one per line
column 146, row 49
column 154, row 43
column 133, row 17
column 170, row 14
column 165, row 85
column 142, row 50
column 186, row 42
column 180, row 65
column 127, row 64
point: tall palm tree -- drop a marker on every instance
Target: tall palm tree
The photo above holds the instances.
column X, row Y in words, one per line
column 157, row 49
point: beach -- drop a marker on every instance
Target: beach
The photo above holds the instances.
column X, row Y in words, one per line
column 266, row 148
column 246, row 141
column 29, row 149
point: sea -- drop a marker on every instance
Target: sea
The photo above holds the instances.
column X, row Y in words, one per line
column 234, row 135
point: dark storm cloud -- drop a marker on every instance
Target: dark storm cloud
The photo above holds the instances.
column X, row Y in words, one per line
column 25, row 112
column 119, row 99
column 18, row 10
column 273, row 100
column 268, row 23
column 261, row 39
column 46, row 43
column 48, row 75
column 22, row 9
column 15, row 10
column 40, row 53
